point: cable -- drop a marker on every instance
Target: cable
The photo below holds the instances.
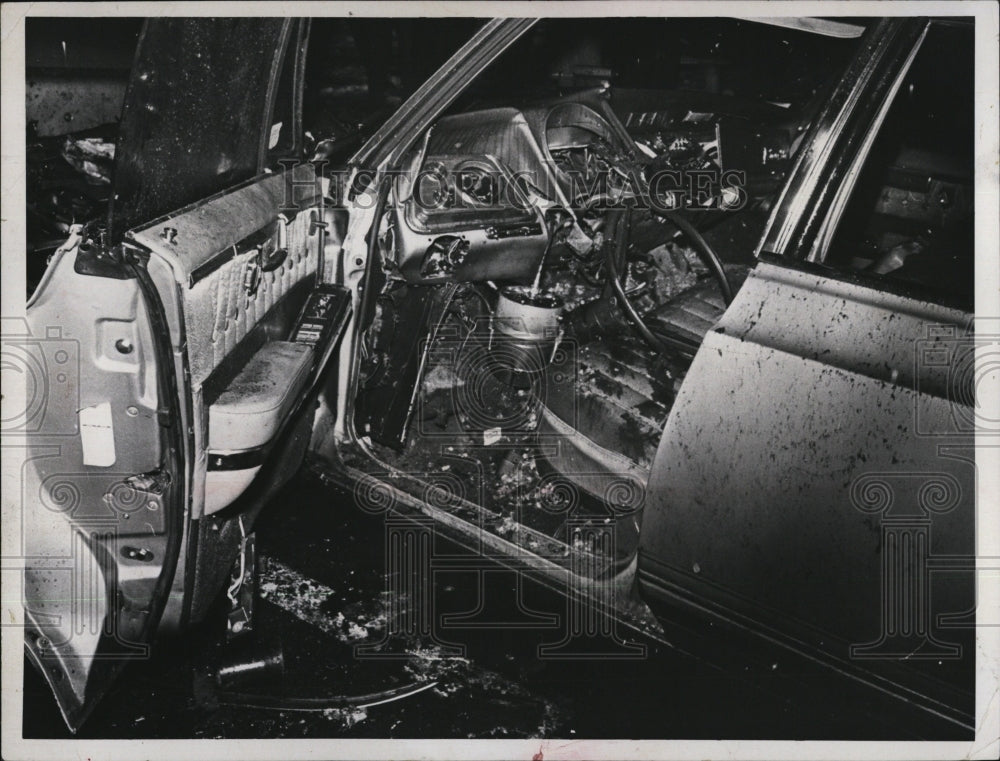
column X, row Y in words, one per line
column 237, row 583
column 281, row 703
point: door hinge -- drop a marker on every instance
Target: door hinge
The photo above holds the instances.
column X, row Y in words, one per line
column 94, row 254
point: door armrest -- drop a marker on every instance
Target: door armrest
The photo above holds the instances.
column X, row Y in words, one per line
column 249, row 411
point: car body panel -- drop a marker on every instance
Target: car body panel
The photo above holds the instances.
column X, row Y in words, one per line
column 816, row 441
column 808, row 429
column 93, row 527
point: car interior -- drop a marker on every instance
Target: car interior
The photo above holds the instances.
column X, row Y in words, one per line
column 545, row 261
column 520, row 358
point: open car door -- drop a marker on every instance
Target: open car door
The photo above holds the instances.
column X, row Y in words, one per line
column 182, row 347
column 815, row 484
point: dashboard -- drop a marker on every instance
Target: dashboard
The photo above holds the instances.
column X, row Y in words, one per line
column 478, row 197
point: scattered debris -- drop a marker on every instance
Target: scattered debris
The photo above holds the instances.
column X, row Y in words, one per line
column 310, row 601
column 91, row 156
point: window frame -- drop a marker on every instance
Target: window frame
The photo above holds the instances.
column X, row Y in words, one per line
column 819, row 187
column 294, row 46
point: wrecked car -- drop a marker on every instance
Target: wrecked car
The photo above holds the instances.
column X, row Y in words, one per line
column 643, row 329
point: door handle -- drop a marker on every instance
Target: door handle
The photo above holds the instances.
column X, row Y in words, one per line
column 271, row 260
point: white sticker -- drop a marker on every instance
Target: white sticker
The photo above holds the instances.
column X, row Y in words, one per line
column 492, row 436
column 275, row 134
column 97, row 433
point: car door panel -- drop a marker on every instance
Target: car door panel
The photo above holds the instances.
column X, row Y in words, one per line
column 123, row 447
column 809, row 436
column 98, row 505
column 139, row 327
column 204, row 254
column 233, row 313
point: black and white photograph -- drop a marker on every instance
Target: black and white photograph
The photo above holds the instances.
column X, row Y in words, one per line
column 533, row 380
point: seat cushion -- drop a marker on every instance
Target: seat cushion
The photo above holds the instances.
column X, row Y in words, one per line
column 694, row 312
column 248, row 412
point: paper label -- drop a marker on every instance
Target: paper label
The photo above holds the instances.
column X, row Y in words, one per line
column 97, row 434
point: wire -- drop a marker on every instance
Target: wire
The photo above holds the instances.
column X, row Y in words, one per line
column 237, row 584
column 283, row 703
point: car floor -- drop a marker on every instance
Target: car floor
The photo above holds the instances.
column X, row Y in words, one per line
column 323, row 594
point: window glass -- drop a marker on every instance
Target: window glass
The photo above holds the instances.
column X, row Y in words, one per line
column 359, row 70
column 178, row 139
column 732, row 57
column 910, row 216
